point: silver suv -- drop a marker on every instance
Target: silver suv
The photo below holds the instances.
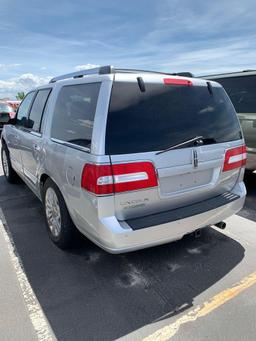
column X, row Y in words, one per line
column 130, row 158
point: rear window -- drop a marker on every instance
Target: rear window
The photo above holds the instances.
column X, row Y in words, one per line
column 74, row 113
column 242, row 92
column 165, row 115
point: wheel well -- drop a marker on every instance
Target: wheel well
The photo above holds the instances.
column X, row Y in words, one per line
column 43, row 178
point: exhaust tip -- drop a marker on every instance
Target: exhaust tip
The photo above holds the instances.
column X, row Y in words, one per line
column 221, row 225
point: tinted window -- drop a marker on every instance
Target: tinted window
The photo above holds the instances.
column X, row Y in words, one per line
column 24, row 109
column 4, row 108
column 74, row 113
column 165, row 115
column 242, row 92
column 37, row 109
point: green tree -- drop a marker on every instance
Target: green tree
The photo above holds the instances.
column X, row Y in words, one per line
column 20, row 95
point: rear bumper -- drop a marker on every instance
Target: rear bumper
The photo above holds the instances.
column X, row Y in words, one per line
column 119, row 237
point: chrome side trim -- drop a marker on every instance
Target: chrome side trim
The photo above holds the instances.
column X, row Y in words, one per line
column 71, row 145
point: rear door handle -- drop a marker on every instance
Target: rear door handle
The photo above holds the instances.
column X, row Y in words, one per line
column 37, row 148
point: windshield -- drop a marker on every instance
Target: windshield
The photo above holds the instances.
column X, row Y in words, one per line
column 242, row 92
column 4, row 108
column 166, row 115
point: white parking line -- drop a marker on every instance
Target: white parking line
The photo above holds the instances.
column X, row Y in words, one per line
column 36, row 315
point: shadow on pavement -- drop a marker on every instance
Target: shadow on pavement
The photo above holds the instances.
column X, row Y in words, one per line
column 87, row 294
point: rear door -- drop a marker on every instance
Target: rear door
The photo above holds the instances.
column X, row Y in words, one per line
column 71, row 137
column 148, row 116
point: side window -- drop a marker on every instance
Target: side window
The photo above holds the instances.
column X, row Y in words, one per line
column 37, row 110
column 24, row 109
column 74, row 113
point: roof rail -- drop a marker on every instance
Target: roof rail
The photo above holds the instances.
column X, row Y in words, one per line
column 143, row 71
column 101, row 70
column 184, row 74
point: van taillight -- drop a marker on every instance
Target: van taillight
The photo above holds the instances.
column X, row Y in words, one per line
column 235, row 158
column 117, row 178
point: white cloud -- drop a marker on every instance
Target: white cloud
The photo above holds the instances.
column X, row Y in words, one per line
column 85, row 67
column 24, row 82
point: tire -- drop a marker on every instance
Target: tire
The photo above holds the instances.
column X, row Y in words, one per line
column 9, row 173
column 61, row 229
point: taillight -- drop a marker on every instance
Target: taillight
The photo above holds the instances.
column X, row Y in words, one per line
column 177, row 81
column 107, row 179
column 91, row 176
column 134, row 176
column 235, row 158
column 12, row 114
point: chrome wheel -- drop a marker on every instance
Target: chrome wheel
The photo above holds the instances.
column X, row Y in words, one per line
column 5, row 163
column 52, row 210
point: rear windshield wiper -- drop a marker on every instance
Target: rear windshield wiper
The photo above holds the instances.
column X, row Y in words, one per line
column 198, row 139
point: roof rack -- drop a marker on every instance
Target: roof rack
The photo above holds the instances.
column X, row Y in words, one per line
column 101, row 70
column 184, row 74
column 108, row 69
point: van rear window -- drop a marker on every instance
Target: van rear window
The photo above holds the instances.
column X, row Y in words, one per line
column 165, row 115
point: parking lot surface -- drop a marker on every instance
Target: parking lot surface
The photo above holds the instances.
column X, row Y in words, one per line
column 88, row 294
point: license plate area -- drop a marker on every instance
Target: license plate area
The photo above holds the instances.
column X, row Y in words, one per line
column 171, row 185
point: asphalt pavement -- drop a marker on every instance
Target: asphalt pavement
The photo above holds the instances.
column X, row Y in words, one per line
column 88, row 294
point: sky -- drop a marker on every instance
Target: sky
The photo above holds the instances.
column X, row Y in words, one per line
column 46, row 38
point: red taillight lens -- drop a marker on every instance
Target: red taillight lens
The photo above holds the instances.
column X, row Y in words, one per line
column 12, row 114
column 90, row 176
column 235, row 158
column 177, row 81
column 106, row 179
